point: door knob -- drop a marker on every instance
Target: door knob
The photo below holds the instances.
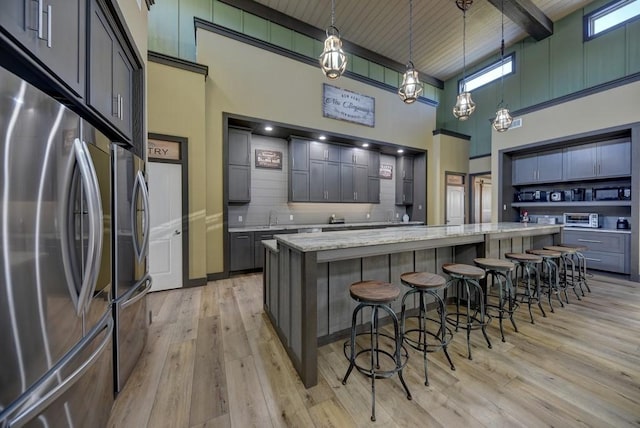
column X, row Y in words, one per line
column 176, row 232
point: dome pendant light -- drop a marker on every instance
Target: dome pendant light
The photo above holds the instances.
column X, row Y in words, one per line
column 411, row 87
column 464, row 104
column 503, row 119
column 333, row 60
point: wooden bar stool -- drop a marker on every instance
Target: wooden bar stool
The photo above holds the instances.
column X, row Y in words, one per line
column 466, row 278
column 527, row 266
column 423, row 284
column 568, row 271
column 550, row 276
column 582, row 264
column 500, row 272
column 376, row 295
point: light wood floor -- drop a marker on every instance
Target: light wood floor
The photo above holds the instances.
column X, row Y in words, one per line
column 213, row 360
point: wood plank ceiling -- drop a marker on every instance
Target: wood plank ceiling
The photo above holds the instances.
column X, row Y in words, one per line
column 382, row 26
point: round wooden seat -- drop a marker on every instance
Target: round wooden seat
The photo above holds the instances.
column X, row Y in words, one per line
column 494, row 264
column 422, row 280
column 374, row 291
column 524, row 257
column 460, row 270
column 563, row 250
column 576, row 247
column 545, row 253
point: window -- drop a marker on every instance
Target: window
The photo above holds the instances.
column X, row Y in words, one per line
column 489, row 74
column 611, row 16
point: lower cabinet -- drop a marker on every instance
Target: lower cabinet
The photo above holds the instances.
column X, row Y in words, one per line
column 607, row 251
column 241, row 254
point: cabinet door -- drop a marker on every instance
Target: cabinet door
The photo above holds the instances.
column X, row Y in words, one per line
column 299, row 186
column 346, row 155
column 550, row 166
column 580, row 162
column 239, row 147
column 525, row 169
column 360, row 156
column 405, row 167
column 361, row 183
column 20, row 19
column 122, row 90
column 299, row 155
column 332, row 181
column 318, row 150
column 346, row 182
column 239, row 183
column 316, row 181
column 62, row 46
column 614, row 159
column 407, row 192
column 374, row 164
column 374, row 190
column 240, row 251
column 333, row 153
column 101, row 41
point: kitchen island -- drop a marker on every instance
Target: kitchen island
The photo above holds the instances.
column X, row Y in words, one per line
column 307, row 276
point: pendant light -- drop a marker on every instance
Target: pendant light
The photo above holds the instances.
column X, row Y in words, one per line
column 464, row 104
column 503, row 119
column 411, row 87
column 333, row 60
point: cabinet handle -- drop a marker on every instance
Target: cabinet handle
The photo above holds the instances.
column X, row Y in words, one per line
column 40, row 19
column 592, row 260
column 242, row 237
column 590, row 240
column 599, row 165
column 49, row 40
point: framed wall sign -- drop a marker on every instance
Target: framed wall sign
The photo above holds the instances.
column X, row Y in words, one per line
column 386, row 171
column 268, row 159
column 342, row 104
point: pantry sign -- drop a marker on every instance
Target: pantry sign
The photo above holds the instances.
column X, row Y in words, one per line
column 166, row 150
column 342, row 104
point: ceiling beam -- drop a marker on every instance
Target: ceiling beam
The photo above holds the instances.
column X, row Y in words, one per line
column 527, row 16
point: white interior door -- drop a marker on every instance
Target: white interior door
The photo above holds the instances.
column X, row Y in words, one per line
column 455, row 205
column 486, row 201
column 165, row 241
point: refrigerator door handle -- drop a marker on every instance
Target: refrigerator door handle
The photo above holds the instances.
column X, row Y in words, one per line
column 140, row 186
column 144, row 286
column 94, row 247
column 33, row 410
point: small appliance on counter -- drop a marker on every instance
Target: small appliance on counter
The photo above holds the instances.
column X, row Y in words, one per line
column 336, row 220
column 546, row 220
column 612, row 193
column 557, row 196
column 530, row 196
column 578, row 194
column 622, row 223
column 591, row 220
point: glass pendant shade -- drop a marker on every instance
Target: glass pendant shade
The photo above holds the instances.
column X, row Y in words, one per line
column 333, row 60
column 503, row 120
column 464, row 106
column 411, row 87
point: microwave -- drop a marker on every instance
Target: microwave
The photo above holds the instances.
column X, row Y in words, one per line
column 612, row 194
column 530, row 196
column 591, row 220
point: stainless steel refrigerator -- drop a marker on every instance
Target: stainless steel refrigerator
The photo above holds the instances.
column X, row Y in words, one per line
column 56, row 359
column 131, row 277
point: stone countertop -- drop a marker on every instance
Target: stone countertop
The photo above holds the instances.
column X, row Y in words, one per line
column 321, row 241
column 277, row 227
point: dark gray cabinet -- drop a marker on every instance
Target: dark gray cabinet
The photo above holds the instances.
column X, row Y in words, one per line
column 543, row 167
column 241, row 251
column 299, row 186
column 354, row 183
column 598, row 160
column 298, row 155
column 324, row 181
column 110, row 73
column 404, row 180
column 54, row 31
column 239, row 180
column 373, row 190
column 374, row 164
column 354, row 155
column 373, row 171
column 239, row 147
column 324, row 151
column 608, row 251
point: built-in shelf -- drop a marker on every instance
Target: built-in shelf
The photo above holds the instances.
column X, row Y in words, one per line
column 572, row 204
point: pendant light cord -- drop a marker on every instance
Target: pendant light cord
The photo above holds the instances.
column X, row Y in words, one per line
column 502, row 56
column 333, row 13
column 410, row 31
column 464, row 50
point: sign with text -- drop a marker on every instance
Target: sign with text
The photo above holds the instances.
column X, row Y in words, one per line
column 268, row 159
column 161, row 149
column 342, row 104
column 386, row 171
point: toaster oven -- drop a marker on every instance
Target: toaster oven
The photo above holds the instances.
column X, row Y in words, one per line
column 590, row 220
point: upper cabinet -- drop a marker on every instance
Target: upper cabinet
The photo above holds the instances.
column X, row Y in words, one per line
column 404, row 180
column 324, row 151
column 54, row 31
column 110, row 73
column 354, row 155
column 543, row 167
column 239, row 147
column 239, row 177
column 598, row 160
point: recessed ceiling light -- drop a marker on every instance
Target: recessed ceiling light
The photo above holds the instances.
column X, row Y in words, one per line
column 322, row 137
column 365, row 144
column 268, row 128
column 400, row 151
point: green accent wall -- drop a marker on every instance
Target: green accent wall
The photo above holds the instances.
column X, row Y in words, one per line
column 171, row 32
column 559, row 65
